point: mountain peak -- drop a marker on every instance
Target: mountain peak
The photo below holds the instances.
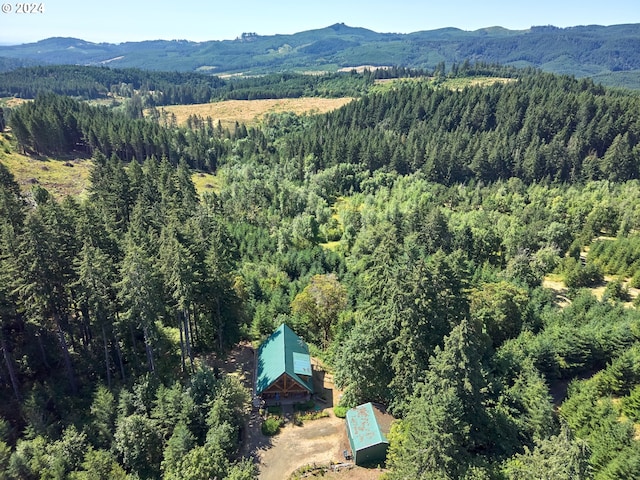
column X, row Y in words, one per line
column 62, row 41
column 338, row 26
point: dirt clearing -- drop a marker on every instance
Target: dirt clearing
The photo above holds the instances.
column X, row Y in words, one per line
column 317, row 441
column 557, row 285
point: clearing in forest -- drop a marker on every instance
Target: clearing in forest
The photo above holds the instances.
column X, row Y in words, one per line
column 318, row 441
column 555, row 283
column 70, row 176
column 480, row 81
column 455, row 83
column 250, row 112
column 61, row 177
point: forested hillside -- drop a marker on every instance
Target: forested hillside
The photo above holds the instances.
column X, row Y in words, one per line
column 165, row 88
column 582, row 51
column 540, row 127
column 406, row 237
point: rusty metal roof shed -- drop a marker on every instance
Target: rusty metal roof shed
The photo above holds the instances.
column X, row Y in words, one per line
column 368, row 443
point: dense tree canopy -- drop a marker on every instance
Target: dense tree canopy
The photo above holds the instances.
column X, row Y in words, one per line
column 410, row 237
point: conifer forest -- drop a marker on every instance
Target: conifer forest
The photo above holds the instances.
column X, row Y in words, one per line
column 467, row 255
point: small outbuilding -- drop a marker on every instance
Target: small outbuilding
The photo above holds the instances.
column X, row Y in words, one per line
column 368, row 443
column 284, row 372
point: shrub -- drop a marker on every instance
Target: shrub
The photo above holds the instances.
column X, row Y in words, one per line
column 340, row 411
column 303, row 407
column 578, row 276
column 275, row 410
column 303, row 417
column 617, row 291
column 271, row 426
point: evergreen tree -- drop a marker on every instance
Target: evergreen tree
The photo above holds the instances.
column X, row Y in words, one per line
column 96, row 292
column 446, row 423
column 140, row 290
column 559, row 457
column 45, row 272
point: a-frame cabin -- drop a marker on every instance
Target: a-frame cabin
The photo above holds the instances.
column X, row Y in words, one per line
column 284, row 368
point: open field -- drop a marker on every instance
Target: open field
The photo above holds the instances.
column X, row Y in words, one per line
column 384, row 85
column 70, row 176
column 250, row 112
column 11, row 102
column 460, row 83
column 61, row 177
column 206, row 182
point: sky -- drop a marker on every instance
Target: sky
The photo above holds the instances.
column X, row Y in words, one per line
column 116, row 21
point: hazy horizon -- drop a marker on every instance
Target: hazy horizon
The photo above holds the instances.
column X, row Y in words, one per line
column 133, row 22
column 299, row 31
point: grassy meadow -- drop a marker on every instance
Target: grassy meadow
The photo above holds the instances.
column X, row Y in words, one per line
column 384, row 85
column 250, row 112
column 62, row 177
column 69, row 176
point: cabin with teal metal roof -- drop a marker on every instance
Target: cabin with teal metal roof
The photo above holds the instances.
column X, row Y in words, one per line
column 284, row 373
column 368, row 443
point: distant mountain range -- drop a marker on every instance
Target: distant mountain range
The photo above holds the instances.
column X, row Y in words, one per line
column 608, row 53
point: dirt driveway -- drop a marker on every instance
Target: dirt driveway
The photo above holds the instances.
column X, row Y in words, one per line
column 317, row 441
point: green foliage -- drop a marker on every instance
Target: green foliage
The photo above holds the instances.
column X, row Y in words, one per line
column 435, row 445
column 560, row 457
column 631, row 404
column 581, row 338
column 178, row 445
column 139, row 445
column 202, row 462
column 340, row 411
column 622, row 374
column 319, row 304
column 271, row 425
column 245, row 469
column 526, row 402
column 596, row 420
column 566, row 50
column 28, row 460
column 54, row 124
column 620, row 256
column 5, row 456
column 99, row 465
column 172, row 406
column 500, row 308
column 103, row 412
column 227, row 414
column 304, row 416
column 454, row 136
column 616, row 291
column 68, row 452
column 431, row 303
column 579, row 276
column 447, row 422
column 151, row 89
